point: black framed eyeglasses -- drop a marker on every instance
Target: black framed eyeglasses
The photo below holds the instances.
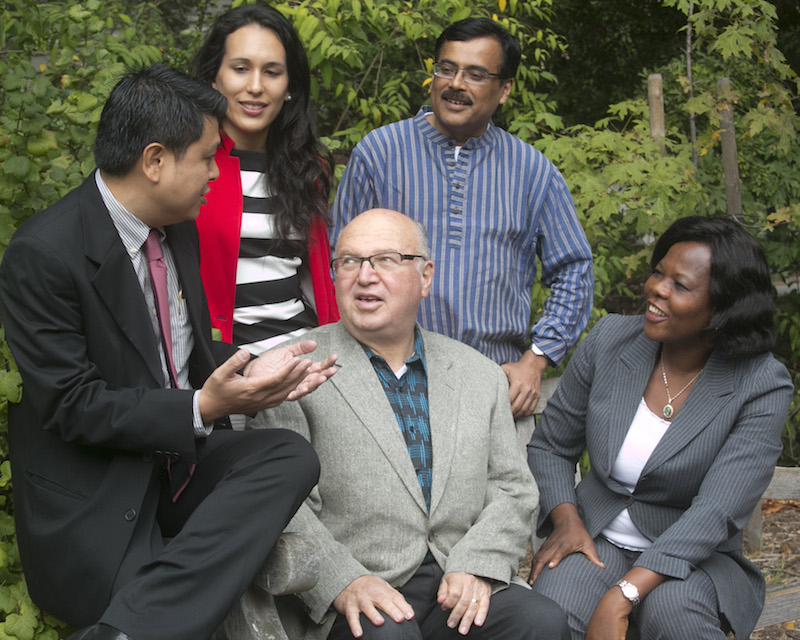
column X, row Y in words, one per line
column 381, row 262
column 473, row 75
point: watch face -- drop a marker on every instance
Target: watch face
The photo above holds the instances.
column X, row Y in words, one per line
column 630, row 591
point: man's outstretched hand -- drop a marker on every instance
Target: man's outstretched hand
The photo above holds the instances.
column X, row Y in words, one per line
column 276, row 375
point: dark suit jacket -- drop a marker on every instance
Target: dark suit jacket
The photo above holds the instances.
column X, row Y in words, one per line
column 94, row 413
column 703, row 479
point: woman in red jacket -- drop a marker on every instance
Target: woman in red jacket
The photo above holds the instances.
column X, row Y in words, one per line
column 263, row 232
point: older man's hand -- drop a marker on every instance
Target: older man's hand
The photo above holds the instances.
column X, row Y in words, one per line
column 368, row 595
column 467, row 597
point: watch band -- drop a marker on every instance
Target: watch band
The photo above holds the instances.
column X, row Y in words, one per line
column 630, row 592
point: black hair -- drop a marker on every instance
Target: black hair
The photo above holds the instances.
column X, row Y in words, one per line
column 298, row 166
column 742, row 321
column 471, row 28
column 152, row 104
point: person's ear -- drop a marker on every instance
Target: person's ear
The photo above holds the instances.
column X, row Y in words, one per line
column 508, row 84
column 154, row 157
column 427, row 277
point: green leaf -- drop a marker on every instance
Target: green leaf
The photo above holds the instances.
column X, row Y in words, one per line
column 21, row 626
column 17, row 167
column 11, row 384
column 326, row 70
column 84, row 101
column 78, row 14
column 39, row 147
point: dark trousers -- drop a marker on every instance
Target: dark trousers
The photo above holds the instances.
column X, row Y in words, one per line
column 515, row 613
column 246, row 487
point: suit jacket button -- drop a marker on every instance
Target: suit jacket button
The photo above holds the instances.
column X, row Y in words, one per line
column 430, row 536
column 627, row 500
column 130, row 515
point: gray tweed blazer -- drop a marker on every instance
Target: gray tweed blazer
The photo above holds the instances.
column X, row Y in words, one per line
column 368, row 515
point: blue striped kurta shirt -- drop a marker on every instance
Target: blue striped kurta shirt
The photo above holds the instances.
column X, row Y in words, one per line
column 489, row 214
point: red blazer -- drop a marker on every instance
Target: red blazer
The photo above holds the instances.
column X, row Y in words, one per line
column 219, row 226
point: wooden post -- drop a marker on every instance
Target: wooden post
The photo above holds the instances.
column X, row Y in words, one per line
column 730, row 160
column 655, row 99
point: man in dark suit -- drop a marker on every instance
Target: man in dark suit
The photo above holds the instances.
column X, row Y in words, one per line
column 119, row 440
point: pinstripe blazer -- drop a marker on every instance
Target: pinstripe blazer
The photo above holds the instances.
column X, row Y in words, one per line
column 368, row 515
column 703, row 479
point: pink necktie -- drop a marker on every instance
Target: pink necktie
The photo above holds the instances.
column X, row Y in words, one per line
column 158, row 280
column 179, row 472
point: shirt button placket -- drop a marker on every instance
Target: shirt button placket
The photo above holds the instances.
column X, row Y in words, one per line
column 456, row 180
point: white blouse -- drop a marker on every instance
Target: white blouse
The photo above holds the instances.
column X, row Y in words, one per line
column 644, row 434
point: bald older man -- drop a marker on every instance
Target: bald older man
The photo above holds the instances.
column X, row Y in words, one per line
column 424, row 504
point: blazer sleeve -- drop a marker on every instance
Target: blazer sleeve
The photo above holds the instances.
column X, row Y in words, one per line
column 559, row 439
column 44, row 306
column 732, row 486
column 338, row 567
column 495, row 542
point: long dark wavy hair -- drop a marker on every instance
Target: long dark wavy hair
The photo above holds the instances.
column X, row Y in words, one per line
column 741, row 290
column 298, row 166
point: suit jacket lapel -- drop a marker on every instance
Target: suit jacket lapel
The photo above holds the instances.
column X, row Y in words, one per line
column 114, row 278
column 443, row 403
column 628, row 381
column 360, row 387
column 700, row 408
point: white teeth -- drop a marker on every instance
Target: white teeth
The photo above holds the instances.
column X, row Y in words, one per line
column 656, row 310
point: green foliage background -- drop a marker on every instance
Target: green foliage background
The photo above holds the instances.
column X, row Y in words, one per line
column 371, row 62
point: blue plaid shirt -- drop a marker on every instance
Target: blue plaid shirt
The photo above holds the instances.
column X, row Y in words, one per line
column 408, row 397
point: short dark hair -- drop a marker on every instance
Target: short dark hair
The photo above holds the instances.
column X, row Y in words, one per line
column 742, row 321
column 298, row 166
column 152, row 104
column 471, row 28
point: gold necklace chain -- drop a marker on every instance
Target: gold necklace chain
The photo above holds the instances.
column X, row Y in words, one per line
column 668, row 411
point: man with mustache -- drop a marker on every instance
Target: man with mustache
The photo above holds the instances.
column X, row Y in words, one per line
column 490, row 203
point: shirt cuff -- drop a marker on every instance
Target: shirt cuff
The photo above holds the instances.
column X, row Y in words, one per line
column 201, row 429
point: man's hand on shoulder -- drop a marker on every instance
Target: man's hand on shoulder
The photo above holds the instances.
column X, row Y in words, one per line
column 276, row 375
column 524, row 382
column 467, row 597
column 368, row 594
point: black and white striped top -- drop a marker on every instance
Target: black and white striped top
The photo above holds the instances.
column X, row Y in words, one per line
column 270, row 307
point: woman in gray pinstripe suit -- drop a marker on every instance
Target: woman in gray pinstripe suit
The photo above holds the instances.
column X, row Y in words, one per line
column 681, row 410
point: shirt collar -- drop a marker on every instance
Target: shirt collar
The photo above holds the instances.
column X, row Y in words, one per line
column 417, row 356
column 132, row 231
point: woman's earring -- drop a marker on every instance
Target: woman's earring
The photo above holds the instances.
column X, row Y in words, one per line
column 289, row 97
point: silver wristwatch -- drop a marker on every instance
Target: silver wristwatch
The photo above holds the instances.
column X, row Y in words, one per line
column 630, row 592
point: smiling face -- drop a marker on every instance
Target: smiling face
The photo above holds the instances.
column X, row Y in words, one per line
column 379, row 309
column 678, row 297
column 254, row 79
column 462, row 110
